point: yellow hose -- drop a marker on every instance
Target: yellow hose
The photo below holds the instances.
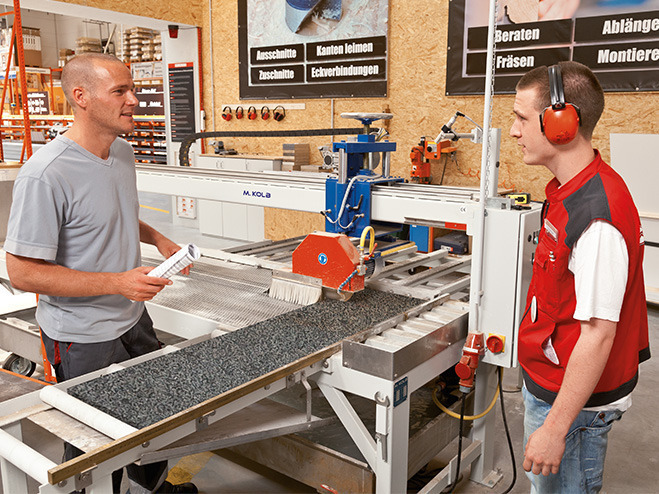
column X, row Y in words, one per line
column 466, row 417
column 362, row 241
column 393, row 250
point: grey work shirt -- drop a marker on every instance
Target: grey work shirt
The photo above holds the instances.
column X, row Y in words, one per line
column 79, row 211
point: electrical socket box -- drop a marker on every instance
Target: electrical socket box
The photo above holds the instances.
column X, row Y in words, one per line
column 186, row 207
column 507, row 268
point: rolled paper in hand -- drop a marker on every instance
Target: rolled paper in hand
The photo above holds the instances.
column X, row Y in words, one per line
column 183, row 258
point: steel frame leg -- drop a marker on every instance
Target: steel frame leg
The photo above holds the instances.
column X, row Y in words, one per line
column 391, row 429
column 482, row 469
column 101, row 486
column 13, row 479
column 351, row 421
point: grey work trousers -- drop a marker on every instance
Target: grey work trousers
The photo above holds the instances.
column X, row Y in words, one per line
column 75, row 359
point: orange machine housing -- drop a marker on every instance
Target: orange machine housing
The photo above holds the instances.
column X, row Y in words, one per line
column 330, row 257
column 421, row 155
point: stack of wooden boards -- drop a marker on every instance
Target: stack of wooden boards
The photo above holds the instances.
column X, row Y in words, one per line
column 141, row 44
column 296, row 157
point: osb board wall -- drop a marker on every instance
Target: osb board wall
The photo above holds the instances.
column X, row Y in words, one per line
column 416, row 97
column 188, row 12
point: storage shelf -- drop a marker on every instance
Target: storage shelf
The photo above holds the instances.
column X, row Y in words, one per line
column 148, row 138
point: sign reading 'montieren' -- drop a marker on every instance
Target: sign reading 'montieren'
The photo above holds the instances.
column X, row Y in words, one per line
column 622, row 49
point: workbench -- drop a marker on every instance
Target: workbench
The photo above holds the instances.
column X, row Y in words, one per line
column 104, row 454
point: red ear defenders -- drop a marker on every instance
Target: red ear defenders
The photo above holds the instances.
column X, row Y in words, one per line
column 226, row 113
column 279, row 113
column 559, row 122
column 251, row 113
column 239, row 112
column 265, row 112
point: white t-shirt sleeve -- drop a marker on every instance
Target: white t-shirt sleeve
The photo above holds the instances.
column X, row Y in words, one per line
column 599, row 262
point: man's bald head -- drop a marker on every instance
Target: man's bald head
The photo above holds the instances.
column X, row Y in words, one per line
column 82, row 71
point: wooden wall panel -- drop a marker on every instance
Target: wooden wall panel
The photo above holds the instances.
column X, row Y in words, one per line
column 416, row 97
column 188, row 12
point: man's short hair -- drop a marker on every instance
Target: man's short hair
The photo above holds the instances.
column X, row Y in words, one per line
column 580, row 86
column 80, row 71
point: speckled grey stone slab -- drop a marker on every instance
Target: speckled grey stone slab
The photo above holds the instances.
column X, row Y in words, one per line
column 146, row 393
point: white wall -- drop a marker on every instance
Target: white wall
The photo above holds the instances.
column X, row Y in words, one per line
column 46, row 23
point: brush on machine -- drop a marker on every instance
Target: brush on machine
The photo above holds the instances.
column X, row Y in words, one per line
column 326, row 264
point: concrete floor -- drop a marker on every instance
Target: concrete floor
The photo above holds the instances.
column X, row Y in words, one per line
column 631, row 466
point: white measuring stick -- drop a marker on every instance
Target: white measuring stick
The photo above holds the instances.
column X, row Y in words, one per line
column 183, row 258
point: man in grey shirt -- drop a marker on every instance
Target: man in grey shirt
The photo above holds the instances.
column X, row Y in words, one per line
column 74, row 237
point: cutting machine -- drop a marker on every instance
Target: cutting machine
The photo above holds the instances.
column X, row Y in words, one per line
column 499, row 269
column 384, row 361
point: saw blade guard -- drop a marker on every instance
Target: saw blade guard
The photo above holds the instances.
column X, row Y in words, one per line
column 330, row 257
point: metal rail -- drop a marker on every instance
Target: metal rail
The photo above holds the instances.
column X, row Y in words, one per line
column 184, row 151
column 398, row 203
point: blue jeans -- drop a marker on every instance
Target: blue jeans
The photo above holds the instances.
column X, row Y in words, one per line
column 582, row 465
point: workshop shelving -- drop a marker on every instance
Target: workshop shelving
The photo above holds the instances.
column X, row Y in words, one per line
column 17, row 36
column 148, row 139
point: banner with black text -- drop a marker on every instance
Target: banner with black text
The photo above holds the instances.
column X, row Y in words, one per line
column 312, row 48
column 617, row 39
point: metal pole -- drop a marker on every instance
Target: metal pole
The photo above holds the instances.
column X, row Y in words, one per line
column 477, row 259
column 25, row 458
column 18, row 31
column 85, row 413
column 210, row 53
column 4, row 86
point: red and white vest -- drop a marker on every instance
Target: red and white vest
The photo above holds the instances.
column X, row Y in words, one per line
column 596, row 193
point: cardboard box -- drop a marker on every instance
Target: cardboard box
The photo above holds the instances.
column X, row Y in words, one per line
column 33, row 82
column 31, row 48
column 4, row 54
column 32, row 58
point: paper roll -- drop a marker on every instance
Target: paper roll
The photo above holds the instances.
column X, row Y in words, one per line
column 183, row 258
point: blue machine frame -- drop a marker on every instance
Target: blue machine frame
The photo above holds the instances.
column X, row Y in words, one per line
column 348, row 200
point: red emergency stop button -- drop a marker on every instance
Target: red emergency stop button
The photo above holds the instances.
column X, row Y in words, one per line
column 495, row 343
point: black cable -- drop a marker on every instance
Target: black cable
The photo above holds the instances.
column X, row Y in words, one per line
column 457, row 468
column 505, row 425
column 186, row 144
column 441, row 181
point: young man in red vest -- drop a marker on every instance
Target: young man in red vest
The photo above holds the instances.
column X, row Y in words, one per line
column 585, row 329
